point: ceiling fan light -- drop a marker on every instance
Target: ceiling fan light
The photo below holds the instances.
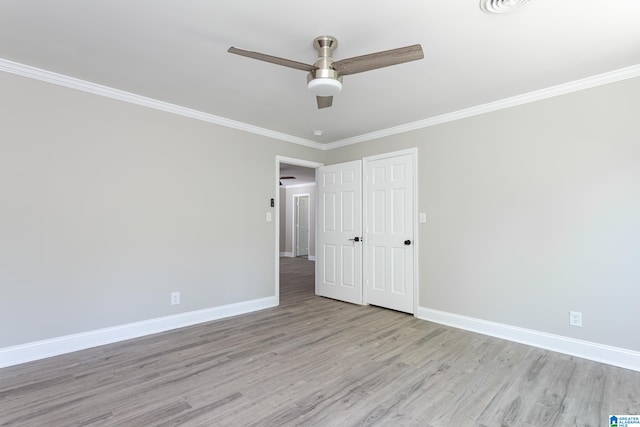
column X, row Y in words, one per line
column 324, row 86
column 501, row 6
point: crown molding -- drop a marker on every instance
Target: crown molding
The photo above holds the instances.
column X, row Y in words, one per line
column 538, row 95
column 96, row 89
column 120, row 95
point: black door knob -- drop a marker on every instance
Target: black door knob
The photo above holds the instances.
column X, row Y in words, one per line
column 407, row 242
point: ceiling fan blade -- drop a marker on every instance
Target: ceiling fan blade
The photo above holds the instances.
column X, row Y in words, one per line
column 358, row 64
column 273, row 59
column 324, row 101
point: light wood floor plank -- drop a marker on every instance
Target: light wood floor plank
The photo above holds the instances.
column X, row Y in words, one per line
column 315, row 361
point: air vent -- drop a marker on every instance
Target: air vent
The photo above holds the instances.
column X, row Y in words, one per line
column 501, row 6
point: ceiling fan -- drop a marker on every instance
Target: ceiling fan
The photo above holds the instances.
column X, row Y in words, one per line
column 286, row 177
column 325, row 75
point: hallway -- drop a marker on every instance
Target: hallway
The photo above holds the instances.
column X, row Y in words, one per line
column 297, row 280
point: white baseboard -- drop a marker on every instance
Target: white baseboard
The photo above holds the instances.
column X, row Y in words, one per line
column 56, row 346
column 312, row 257
column 615, row 356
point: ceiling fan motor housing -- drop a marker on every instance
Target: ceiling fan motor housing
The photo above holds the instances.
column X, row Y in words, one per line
column 324, row 81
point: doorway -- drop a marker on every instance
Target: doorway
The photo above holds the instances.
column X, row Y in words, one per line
column 296, row 177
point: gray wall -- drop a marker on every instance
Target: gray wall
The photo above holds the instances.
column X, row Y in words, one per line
column 533, row 211
column 107, row 207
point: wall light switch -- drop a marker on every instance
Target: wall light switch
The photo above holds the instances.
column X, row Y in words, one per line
column 423, row 218
column 268, row 216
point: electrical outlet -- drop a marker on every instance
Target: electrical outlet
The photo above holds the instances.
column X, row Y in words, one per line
column 175, row 298
column 575, row 318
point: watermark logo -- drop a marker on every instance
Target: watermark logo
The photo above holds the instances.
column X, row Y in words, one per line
column 624, row 420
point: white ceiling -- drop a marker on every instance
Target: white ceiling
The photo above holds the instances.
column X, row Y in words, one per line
column 175, row 51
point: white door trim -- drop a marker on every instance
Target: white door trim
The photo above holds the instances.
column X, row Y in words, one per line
column 276, row 213
column 413, row 152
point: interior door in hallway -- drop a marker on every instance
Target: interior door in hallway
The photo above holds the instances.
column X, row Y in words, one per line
column 389, row 233
column 339, row 257
column 302, row 224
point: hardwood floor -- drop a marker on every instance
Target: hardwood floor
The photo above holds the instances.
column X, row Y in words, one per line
column 315, row 361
